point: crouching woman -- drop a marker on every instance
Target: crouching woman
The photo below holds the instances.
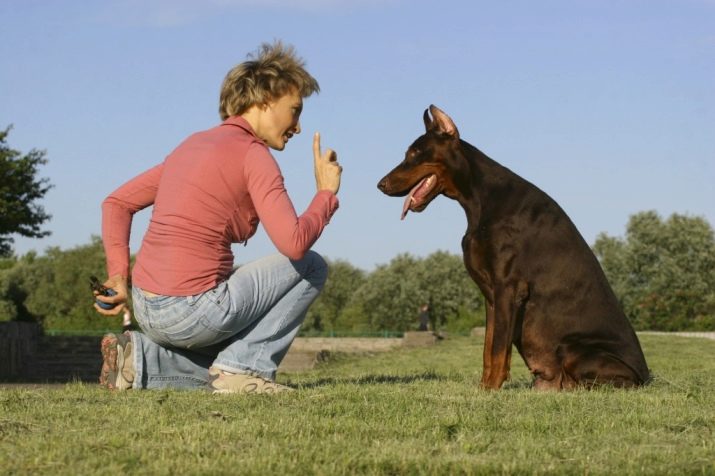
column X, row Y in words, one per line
column 204, row 322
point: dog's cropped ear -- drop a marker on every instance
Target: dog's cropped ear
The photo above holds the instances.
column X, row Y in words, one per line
column 442, row 122
column 428, row 120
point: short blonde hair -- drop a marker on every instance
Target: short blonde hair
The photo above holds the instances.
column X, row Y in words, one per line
column 270, row 73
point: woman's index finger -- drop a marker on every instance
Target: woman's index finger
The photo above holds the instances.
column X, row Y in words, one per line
column 316, row 145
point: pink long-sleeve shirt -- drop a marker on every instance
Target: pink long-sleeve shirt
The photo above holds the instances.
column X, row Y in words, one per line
column 211, row 191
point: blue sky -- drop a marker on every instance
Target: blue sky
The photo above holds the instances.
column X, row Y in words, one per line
column 608, row 106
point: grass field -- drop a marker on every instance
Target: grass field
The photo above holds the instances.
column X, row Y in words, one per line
column 409, row 411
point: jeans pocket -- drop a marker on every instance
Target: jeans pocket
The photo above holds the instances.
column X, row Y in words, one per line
column 219, row 297
column 173, row 314
column 174, row 330
column 215, row 316
column 188, row 322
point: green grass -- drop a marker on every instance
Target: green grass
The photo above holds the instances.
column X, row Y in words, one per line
column 410, row 411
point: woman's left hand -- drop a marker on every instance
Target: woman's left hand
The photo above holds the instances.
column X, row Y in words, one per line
column 119, row 285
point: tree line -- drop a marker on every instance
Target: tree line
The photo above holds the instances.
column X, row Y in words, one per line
column 53, row 289
column 662, row 271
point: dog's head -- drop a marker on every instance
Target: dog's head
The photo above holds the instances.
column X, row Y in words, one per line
column 433, row 164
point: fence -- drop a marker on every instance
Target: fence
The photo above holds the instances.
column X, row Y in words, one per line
column 18, row 340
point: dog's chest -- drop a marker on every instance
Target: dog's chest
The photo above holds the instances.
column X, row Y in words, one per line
column 476, row 260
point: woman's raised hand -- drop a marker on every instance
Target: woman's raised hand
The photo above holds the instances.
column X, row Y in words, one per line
column 327, row 168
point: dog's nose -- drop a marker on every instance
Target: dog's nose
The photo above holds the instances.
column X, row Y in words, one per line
column 382, row 184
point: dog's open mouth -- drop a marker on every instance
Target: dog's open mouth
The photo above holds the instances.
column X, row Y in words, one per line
column 417, row 200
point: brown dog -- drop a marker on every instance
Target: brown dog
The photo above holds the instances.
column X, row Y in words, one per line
column 544, row 288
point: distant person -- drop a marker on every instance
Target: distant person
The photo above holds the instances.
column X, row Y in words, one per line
column 433, row 320
column 424, row 317
column 204, row 322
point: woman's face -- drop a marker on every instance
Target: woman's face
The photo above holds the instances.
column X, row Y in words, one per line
column 280, row 120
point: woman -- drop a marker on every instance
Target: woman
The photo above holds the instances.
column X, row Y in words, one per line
column 204, row 322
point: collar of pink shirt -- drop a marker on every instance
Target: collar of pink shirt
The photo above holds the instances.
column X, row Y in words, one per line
column 239, row 121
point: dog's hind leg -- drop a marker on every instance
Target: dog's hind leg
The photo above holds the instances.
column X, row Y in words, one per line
column 588, row 367
column 507, row 309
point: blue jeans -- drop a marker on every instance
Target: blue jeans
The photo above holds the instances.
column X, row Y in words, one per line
column 244, row 325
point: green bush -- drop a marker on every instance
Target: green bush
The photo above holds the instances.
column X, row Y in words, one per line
column 663, row 271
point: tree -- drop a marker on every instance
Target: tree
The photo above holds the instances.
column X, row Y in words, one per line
column 19, row 191
column 18, row 278
column 663, row 271
column 343, row 280
column 453, row 296
column 60, row 291
column 53, row 289
column 388, row 298
column 391, row 295
column 8, row 296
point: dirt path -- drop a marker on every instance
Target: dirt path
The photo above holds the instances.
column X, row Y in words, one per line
column 346, row 344
column 703, row 335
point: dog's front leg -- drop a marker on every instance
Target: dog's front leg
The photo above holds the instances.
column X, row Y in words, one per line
column 488, row 343
column 509, row 301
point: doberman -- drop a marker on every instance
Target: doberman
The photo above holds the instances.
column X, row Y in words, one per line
column 545, row 291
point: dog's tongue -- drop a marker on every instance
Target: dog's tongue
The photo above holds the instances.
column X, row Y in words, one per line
column 410, row 197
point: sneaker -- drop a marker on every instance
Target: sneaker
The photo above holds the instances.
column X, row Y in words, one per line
column 221, row 381
column 118, row 363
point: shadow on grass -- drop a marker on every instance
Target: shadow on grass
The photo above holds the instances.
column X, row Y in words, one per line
column 375, row 379
column 518, row 384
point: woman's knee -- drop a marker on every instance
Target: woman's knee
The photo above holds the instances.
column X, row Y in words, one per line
column 316, row 268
